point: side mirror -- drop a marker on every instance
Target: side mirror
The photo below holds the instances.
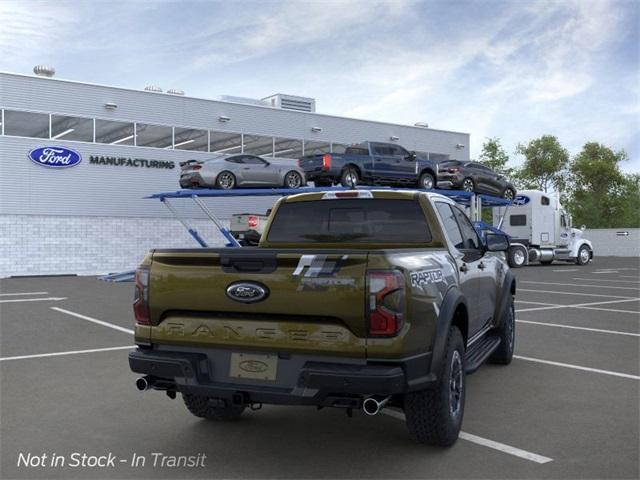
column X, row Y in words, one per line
column 495, row 242
column 412, row 156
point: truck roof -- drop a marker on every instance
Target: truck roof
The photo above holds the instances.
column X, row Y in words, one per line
column 386, row 194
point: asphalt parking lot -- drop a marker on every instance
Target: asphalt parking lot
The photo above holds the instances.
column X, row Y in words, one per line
column 567, row 407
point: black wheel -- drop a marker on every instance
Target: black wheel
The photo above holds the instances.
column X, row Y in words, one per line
column 468, row 185
column 584, row 255
column 426, row 182
column 517, row 257
column 507, row 333
column 349, row 177
column 508, row 194
column 203, row 407
column 293, row 179
column 434, row 416
column 226, row 180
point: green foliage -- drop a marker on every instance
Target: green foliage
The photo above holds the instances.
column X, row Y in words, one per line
column 494, row 156
column 545, row 164
column 600, row 195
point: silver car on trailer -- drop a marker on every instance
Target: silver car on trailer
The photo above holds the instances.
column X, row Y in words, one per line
column 241, row 170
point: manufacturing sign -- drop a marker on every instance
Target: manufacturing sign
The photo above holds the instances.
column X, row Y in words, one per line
column 130, row 162
column 55, row 157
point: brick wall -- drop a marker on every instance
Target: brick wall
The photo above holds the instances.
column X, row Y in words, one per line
column 44, row 245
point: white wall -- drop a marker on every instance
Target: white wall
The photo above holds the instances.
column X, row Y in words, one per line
column 52, row 245
column 606, row 242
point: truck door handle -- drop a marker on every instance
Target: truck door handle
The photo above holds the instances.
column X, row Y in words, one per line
column 482, row 266
column 464, row 268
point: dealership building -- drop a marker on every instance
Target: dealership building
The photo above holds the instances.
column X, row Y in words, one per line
column 92, row 217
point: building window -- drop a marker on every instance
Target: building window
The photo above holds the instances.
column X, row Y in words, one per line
column 26, row 124
column 225, row 142
column 114, row 133
column 438, row 157
column 315, row 148
column 157, row 136
column 190, row 139
column 287, row 148
column 71, row 128
column 258, row 145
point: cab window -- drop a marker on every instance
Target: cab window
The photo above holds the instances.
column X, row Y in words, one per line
column 450, row 224
column 469, row 234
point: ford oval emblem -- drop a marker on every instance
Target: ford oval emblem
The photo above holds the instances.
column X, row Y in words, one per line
column 521, row 200
column 253, row 366
column 55, row 157
column 247, row 292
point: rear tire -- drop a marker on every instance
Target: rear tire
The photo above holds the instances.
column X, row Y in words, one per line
column 517, row 257
column 225, row 180
column 434, row 416
column 508, row 194
column 507, row 333
column 427, row 182
column 293, row 179
column 349, row 177
column 200, row 406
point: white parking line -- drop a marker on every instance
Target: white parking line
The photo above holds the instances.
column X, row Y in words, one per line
column 72, row 352
column 587, row 306
column 578, row 367
column 485, row 442
column 23, row 293
column 567, row 270
column 540, row 303
column 575, row 293
column 605, row 272
column 614, row 287
column 605, row 280
column 628, row 276
column 93, row 320
column 633, row 312
column 572, row 327
column 48, row 299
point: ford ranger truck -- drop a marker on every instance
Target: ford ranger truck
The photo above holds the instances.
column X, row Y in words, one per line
column 371, row 163
column 353, row 299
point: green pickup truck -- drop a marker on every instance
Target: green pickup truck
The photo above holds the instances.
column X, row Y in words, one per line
column 357, row 299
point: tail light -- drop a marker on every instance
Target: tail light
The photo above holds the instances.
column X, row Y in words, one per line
column 253, row 221
column 386, row 302
column 299, row 162
column 141, row 297
column 326, row 161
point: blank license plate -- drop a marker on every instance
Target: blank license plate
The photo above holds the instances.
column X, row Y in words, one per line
column 255, row 367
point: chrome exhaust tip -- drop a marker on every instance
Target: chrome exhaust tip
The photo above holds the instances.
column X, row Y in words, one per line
column 143, row 383
column 373, row 405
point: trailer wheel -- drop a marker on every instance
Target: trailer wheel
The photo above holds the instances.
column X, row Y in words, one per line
column 517, row 257
column 584, row 255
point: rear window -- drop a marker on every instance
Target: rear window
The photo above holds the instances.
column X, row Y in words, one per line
column 356, row 151
column 350, row 220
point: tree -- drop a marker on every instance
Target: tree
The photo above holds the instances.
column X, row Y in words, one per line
column 494, row 156
column 601, row 195
column 545, row 164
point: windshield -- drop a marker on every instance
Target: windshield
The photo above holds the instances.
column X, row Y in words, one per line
column 350, row 220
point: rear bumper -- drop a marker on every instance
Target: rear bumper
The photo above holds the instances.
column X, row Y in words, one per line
column 325, row 382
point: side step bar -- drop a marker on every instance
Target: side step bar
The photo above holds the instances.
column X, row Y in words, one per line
column 480, row 351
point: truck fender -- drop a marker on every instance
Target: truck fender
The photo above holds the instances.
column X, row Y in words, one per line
column 508, row 287
column 576, row 246
column 450, row 303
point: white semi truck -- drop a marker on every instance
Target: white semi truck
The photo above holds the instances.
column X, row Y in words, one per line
column 541, row 231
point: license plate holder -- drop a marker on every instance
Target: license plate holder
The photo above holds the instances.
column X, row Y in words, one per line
column 253, row 366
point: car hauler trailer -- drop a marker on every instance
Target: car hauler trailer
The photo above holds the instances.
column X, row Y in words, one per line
column 541, row 231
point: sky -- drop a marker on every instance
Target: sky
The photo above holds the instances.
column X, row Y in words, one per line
column 509, row 69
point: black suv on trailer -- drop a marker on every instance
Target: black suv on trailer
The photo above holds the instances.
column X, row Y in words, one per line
column 474, row 177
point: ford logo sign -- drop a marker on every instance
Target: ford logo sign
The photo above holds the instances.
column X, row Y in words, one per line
column 55, row 157
column 253, row 366
column 247, row 292
column 521, row 200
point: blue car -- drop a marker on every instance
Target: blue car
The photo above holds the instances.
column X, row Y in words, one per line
column 371, row 163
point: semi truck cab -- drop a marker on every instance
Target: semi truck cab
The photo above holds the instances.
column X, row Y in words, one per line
column 541, row 231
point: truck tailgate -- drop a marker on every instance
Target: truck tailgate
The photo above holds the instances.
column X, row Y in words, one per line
column 313, row 301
